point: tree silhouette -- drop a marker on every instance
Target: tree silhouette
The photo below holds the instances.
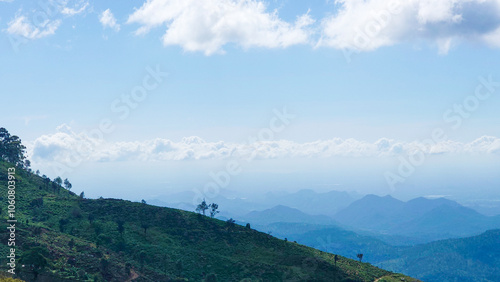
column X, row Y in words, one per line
column 58, row 180
column 67, row 184
column 213, row 209
column 202, row 207
column 360, row 257
column 230, row 222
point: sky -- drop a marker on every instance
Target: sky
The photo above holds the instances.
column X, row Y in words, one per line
column 145, row 98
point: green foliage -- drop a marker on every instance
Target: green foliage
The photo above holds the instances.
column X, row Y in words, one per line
column 67, row 184
column 213, row 209
column 35, row 259
column 12, row 150
column 202, row 207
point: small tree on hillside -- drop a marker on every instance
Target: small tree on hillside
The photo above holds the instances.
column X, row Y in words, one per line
column 360, row 257
column 67, row 184
column 202, row 207
column 230, row 223
column 58, row 181
column 213, row 209
column 11, row 149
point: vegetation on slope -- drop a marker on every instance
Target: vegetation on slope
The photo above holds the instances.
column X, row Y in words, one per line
column 62, row 236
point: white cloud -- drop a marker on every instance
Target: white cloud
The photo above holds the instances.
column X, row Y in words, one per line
column 67, row 146
column 207, row 26
column 20, row 26
column 29, row 26
column 370, row 24
column 74, row 11
column 107, row 19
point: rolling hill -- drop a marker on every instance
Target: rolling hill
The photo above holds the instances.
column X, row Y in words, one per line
column 65, row 237
column 424, row 219
column 474, row 258
column 282, row 213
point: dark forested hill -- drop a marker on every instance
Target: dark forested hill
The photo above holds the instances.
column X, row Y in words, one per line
column 466, row 259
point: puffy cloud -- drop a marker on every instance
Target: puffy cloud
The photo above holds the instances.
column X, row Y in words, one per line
column 209, row 25
column 365, row 25
column 107, row 19
column 65, row 145
column 20, row 26
column 75, row 10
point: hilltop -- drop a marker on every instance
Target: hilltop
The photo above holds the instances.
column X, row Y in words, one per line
column 66, row 237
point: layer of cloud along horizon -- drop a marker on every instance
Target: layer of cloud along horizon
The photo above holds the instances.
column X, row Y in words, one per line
column 66, row 145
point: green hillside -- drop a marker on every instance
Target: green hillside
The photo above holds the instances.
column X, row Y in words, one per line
column 61, row 236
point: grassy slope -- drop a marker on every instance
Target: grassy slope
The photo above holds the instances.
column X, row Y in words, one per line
column 177, row 244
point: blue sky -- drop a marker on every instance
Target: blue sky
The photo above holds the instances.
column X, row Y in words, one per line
column 231, row 65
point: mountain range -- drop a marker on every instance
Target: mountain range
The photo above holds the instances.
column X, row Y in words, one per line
column 421, row 218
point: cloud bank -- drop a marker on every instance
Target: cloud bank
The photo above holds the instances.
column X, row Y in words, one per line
column 66, row 145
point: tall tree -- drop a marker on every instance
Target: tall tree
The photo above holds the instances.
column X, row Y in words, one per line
column 58, row 181
column 202, row 207
column 67, row 184
column 11, row 149
column 360, row 256
column 213, row 209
